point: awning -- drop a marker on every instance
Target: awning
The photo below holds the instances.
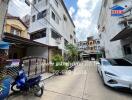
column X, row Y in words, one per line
column 125, row 33
column 14, row 39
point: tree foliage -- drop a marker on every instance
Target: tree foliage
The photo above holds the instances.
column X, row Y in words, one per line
column 72, row 52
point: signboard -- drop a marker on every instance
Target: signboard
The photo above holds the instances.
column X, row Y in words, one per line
column 117, row 11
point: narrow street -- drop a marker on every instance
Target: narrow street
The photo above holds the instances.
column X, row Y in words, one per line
column 82, row 84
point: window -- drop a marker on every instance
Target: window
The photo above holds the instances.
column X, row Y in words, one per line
column 95, row 47
column 41, row 14
column 15, row 31
column 33, row 18
column 55, row 35
column 106, row 63
column 127, row 49
column 56, row 2
column 91, row 48
column 71, row 37
column 91, row 43
column 65, row 42
column 64, row 17
column 34, row 1
column 38, row 35
column 53, row 16
column 74, row 32
column 119, row 62
column 44, row 13
column 98, row 42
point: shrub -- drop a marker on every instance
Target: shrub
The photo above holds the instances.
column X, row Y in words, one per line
column 58, row 64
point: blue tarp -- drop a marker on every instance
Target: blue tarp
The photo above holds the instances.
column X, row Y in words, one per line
column 4, row 45
column 5, row 88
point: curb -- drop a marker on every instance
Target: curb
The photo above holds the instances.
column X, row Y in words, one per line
column 48, row 77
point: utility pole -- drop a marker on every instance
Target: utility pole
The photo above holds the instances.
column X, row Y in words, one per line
column 3, row 11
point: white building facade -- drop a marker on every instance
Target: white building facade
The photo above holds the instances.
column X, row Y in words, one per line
column 51, row 24
column 110, row 26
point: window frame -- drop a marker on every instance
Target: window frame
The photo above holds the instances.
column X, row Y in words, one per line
column 38, row 35
column 126, row 47
column 33, row 18
column 56, row 3
column 53, row 15
column 15, row 29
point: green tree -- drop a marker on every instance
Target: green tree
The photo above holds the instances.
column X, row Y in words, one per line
column 72, row 52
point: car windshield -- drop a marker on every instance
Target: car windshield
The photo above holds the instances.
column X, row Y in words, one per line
column 119, row 62
column 106, row 63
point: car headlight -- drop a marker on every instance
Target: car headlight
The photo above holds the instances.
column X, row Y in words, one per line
column 109, row 73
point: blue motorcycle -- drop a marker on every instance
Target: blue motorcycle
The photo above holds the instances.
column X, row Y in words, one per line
column 23, row 84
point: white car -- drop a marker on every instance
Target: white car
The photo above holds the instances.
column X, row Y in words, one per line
column 116, row 73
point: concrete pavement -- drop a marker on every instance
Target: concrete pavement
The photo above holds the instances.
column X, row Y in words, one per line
column 82, row 84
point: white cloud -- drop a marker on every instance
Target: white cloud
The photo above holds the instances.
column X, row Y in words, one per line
column 71, row 11
column 86, row 18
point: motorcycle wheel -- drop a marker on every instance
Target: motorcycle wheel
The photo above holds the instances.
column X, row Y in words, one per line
column 14, row 88
column 40, row 92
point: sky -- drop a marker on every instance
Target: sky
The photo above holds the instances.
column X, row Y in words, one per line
column 84, row 13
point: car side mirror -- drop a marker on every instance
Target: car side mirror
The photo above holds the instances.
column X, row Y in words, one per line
column 98, row 64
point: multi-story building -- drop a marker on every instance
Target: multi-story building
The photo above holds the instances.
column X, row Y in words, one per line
column 94, row 47
column 51, row 24
column 115, row 30
column 82, row 49
column 90, row 48
column 3, row 10
column 82, row 45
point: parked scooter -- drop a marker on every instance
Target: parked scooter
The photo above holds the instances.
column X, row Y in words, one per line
column 22, row 84
column 71, row 67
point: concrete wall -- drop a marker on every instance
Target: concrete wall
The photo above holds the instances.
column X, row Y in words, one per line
column 38, row 51
column 3, row 8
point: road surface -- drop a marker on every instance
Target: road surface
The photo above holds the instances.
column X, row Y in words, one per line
column 82, row 84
